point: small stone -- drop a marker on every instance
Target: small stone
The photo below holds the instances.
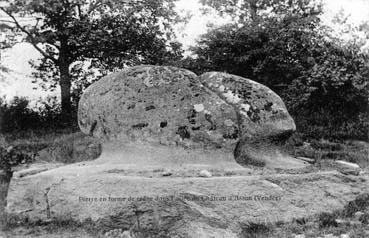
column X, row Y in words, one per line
column 9, row 149
column 348, row 168
column 342, row 222
column 126, row 234
column 205, row 173
column 330, row 236
column 166, row 173
column 344, row 236
column 306, row 145
column 358, row 215
column 348, row 164
column 355, row 223
column 309, row 160
column 299, row 236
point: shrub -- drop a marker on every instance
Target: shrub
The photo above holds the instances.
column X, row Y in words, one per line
column 322, row 79
column 327, row 220
column 17, row 116
column 10, row 157
column 255, row 229
column 359, row 204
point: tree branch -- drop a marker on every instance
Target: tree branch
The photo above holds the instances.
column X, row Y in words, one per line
column 33, row 41
column 7, row 21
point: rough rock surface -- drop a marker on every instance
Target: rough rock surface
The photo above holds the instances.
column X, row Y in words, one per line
column 260, row 112
column 172, row 106
column 120, row 197
column 159, row 105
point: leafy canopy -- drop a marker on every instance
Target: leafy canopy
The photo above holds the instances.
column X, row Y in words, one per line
column 322, row 79
column 112, row 31
column 102, row 34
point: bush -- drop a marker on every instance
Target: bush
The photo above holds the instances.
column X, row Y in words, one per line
column 18, row 117
column 322, row 80
column 334, row 126
column 327, row 220
column 10, row 157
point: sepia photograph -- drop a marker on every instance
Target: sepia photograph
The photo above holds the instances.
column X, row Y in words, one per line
column 184, row 118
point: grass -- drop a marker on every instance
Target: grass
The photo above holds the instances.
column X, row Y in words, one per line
column 324, row 150
column 61, row 146
column 318, row 226
column 4, row 184
column 255, row 230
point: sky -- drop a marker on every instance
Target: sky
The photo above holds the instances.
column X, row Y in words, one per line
column 19, row 83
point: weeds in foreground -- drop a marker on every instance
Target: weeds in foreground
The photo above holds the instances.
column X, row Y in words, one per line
column 324, row 150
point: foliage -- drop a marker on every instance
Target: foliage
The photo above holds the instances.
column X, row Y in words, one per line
column 327, row 219
column 272, row 52
column 10, row 157
column 322, row 79
column 8, row 37
column 244, row 11
column 360, row 203
column 17, row 115
column 110, row 34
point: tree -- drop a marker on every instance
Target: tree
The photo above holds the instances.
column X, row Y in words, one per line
column 110, row 33
column 271, row 48
column 322, row 79
column 8, row 37
column 244, row 11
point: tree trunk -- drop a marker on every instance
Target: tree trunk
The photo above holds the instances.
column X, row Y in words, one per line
column 65, row 87
column 253, row 9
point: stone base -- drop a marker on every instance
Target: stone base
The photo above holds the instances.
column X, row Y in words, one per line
column 150, row 195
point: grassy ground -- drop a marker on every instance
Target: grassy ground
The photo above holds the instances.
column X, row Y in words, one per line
column 60, row 146
column 324, row 150
column 321, row 226
column 4, row 183
column 69, row 147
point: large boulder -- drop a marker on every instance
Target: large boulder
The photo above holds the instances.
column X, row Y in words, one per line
column 171, row 106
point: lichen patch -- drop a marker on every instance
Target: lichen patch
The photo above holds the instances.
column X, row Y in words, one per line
column 148, row 82
column 199, row 107
column 231, row 97
column 244, row 113
column 245, row 107
column 228, row 122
